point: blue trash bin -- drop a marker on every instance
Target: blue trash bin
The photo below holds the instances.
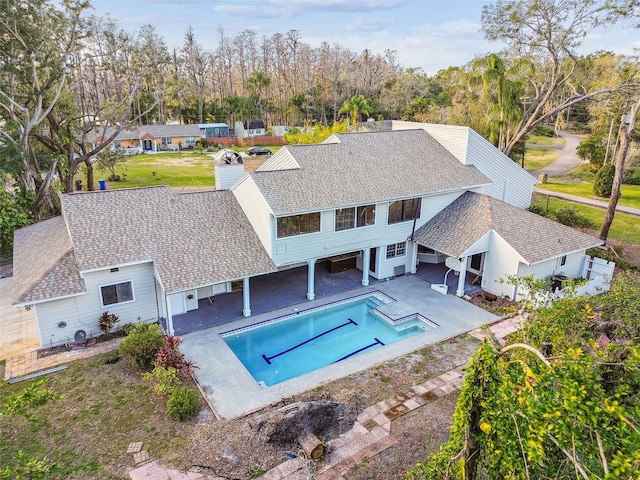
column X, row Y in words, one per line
column 103, row 184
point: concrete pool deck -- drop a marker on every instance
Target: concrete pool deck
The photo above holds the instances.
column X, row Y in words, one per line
column 232, row 392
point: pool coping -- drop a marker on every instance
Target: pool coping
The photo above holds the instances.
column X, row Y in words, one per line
column 231, row 390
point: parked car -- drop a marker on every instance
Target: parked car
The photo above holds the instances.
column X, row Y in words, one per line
column 258, row 151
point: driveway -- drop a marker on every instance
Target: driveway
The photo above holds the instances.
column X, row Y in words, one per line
column 18, row 326
column 567, row 159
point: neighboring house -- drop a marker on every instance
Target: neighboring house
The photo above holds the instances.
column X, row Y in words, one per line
column 256, row 128
column 156, row 138
column 214, row 130
column 389, row 199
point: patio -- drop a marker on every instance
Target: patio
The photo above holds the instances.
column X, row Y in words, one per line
column 289, row 287
column 231, row 391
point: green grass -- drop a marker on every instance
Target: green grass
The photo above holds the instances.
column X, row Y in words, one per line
column 537, row 158
column 625, row 228
column 101, row 410
column 544, row 140
column 630, row 193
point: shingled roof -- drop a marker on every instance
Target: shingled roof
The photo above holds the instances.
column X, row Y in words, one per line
column 194, row 239
column 44, row 264
column 364, row 168
column 472, row 215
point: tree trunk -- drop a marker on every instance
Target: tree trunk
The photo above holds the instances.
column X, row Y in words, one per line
column 90, row 180
column 620, row 159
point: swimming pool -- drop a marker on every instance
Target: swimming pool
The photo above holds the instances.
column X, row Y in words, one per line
column 286, row 347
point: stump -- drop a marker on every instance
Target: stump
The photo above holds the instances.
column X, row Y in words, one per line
column 312, row 447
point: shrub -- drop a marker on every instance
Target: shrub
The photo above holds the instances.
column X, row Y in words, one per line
column 630, row 177
column 166, row 379
column 169, row 355
column 107, row 321
column 593, row 150
column 544, row 131
column 537, row 209
column 33, row 396
column 142, row 344
column 183, row 403
column 571, row 217
column 603, row 181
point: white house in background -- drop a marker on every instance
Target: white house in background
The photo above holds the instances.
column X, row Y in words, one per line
column 388, row 200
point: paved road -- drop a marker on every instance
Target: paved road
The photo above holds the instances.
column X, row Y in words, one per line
column 567, row 160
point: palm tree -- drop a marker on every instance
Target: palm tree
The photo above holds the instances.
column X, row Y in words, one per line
column 356, row 105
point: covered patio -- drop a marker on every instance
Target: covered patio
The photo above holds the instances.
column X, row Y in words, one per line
column 289, row 287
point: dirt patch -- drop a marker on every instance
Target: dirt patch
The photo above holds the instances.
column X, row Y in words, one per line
column 231, row 448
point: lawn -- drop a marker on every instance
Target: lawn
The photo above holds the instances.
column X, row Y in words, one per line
column 184, row 169
column 630, row 193
column 537, row 158
column 625, row 228
column 544, row 140
column 103, row 408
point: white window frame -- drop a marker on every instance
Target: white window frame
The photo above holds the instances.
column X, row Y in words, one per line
column 166, row 141
column 100, row 287
column 190, row 140
column 396, row 250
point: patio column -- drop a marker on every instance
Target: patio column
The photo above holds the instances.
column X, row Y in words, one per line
column 366, row 258
column 462, row 277
column 413, row 255
column 246, row 298
column 169, row 316
column 311, row 279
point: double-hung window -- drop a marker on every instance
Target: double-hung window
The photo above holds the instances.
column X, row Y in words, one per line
column 396, row 250
column 116, row 293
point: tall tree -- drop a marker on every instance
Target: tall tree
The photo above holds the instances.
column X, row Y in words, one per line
column 627, row 128
column 40, row 38
column 548, row 33
column 196, row 62
column 356, row 106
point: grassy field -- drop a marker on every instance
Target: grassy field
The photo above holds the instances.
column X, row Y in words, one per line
column 625, row 228
column 544, row 140
column 102, row 408
column 630, row 193
column 537, row 158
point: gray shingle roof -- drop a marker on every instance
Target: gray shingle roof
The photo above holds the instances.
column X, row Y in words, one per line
column 44, row 264
column 364, row 168
column 194, row 239
column 472, row 215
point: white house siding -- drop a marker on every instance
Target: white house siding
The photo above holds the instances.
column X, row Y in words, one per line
column 501, row 261
column 328, row 242
column 255, row 208
column 227, row 175
column 451, row 137
column 81, row 312
column 572, row 268
column 509, row 182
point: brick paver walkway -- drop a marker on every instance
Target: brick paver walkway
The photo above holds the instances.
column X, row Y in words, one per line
column 370, row 434
column 30, row 363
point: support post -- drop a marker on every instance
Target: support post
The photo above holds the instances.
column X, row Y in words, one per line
column 246, row 297
column 462, row 277
column 311, row 279
column 413, row 255
column 366, row 258
column 169, row 316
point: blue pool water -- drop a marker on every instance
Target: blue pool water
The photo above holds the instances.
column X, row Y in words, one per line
column 277, row 351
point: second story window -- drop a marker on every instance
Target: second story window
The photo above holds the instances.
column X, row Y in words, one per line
column 404, row 210
column 345, row 218
column 298, row 224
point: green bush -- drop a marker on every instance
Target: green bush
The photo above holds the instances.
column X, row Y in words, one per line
column 538, row 209
column 571, row 217
column 183, row 403
column 142, row 343
column 544, row 131
column 166, row 379
column 603, row 181
column 107, row 321
column 630, row 177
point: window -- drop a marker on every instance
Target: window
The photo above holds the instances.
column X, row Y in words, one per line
column 366, row 215
column 190, row 141
column 345, row 218
column 166, row 140
column 117, row 144
column 563, row 260
column 396, row 250
column 118, row 293
column 298, row 224
column 403, row 210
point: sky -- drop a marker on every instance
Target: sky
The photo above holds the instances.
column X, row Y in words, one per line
column 430, row 34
